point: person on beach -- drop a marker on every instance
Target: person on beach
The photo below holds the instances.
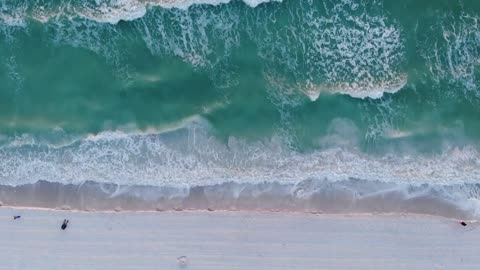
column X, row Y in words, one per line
column 16, row 217
column 64, row 224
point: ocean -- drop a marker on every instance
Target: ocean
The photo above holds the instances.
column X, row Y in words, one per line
column 326, row 106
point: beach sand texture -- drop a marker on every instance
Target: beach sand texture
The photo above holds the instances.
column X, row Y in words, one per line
column 233, row 240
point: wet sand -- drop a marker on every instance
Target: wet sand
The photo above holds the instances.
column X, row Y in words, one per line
column 233, row 240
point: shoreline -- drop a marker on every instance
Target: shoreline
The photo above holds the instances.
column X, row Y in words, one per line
column 309, row 196
column 234, row 212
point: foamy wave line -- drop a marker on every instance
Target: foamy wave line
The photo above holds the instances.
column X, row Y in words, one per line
column 370, row 90
column 108, row 11
column 122, row 132
column 192, row 155
column 361, row 55
column 184, row 4
column 360, row 90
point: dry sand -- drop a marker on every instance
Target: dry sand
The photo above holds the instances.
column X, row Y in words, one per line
column 234, row 240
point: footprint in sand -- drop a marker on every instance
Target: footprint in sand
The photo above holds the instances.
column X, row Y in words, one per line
column 182, row 261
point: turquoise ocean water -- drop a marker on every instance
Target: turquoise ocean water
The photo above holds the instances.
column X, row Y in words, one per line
column 358, row 96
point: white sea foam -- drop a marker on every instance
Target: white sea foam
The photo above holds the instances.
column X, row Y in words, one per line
column 184, row 4
column 103, row 11
column 112, row 11
column 201, row 38
column 190, row 155
column 360, row 89
column 332, row 48
column 12, row 20
column 454, row 57
column 12, row 14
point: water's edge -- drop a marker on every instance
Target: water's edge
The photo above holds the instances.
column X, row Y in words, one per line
column 309, row 196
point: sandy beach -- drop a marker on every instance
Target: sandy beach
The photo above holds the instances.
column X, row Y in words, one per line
column 233, row 240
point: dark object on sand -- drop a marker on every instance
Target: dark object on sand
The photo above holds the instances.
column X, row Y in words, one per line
column 463, row 223
column 16, row 217
column 182, row 261
column 64, row 224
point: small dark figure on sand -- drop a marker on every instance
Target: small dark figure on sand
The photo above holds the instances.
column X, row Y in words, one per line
column 463, row 223
column 64, row 224
column 16, row 217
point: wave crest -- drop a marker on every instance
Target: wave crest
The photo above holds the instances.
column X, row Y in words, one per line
column 338, row 47
column 103, row 11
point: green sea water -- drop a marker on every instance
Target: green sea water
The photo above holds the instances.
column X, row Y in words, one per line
column 385, row 80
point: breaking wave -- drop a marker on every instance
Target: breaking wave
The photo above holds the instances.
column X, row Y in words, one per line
column 192, row 155
column 346, row 47
column 103, row 11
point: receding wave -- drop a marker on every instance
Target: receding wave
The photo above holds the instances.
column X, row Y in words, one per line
column 311, row 196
